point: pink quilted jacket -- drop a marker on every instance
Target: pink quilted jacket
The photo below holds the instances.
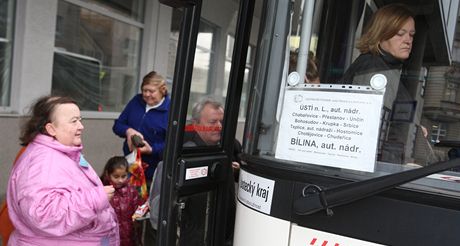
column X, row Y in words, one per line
column 55, row 198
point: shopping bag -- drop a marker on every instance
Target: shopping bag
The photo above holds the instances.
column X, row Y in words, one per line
column 137, row 176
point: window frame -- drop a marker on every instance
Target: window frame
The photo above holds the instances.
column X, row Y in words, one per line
column 11, row 30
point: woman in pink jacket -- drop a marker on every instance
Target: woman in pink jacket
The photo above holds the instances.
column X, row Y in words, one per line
column 54, row 196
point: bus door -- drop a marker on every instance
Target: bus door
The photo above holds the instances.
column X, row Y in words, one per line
column 197, row 184
column 333, row 162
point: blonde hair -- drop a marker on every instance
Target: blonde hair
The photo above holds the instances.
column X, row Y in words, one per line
column 154, row 78
column 383, row 25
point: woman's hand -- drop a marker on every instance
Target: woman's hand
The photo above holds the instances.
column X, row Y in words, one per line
column 129, row 133
column 235, row 166
column 109, row 190
column 147, row 149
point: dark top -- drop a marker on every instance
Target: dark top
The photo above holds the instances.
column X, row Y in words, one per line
column 367, row 65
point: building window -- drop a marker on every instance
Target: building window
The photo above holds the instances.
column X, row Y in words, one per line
column 96, row 58
column 450, row 94
column 6, row 46
column 422, row 78
column 438, row 132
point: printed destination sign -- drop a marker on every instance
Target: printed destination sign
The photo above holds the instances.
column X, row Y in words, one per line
column 330, row 128
column 255, row 192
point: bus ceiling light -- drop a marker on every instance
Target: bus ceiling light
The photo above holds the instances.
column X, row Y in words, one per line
column 293, row 78
column 378, row 81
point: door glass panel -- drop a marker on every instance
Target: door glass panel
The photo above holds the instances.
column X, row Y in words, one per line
column 416, row 124
column 194, row 219
column 205, row 113
column 247, row 73
column 210, row 75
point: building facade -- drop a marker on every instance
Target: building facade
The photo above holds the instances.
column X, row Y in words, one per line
column 97, row 52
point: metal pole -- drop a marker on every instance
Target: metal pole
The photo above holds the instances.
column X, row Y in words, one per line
column 305, row 36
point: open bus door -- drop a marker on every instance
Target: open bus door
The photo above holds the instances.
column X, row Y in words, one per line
column 195, row 193
column 332, row 163
column 323, row 164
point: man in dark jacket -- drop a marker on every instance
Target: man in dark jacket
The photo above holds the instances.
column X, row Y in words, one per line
column 205, row 130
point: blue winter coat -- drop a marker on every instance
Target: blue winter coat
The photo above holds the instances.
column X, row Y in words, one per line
column 151, row 124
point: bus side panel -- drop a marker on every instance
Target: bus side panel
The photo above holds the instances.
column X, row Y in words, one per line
column 255, row 228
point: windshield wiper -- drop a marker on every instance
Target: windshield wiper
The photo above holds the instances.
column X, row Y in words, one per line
column 315, row 199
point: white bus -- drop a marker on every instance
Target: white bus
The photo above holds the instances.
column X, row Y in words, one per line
column 325, row 163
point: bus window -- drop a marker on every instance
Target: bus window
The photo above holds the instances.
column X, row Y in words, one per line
column 322, row 126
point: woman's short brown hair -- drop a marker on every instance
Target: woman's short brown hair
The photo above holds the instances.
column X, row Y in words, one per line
column 383, row 25
column 155, row 79
column 40, row 114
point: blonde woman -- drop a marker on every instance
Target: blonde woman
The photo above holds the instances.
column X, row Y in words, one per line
column 384, row 46
column 146, row 115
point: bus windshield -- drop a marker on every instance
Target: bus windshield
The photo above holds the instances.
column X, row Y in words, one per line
column 364, row 89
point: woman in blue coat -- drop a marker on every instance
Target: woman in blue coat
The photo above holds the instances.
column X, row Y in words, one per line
column 146, row 115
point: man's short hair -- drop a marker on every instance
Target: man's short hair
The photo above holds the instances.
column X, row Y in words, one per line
column 199, row 106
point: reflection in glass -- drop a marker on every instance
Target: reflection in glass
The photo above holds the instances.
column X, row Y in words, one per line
column 203, row 77
column 132, row 8
column 96, row 59
column 438, row 132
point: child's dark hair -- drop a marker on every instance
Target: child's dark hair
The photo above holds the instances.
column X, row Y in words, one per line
column 112, row 164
